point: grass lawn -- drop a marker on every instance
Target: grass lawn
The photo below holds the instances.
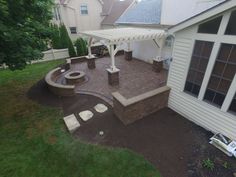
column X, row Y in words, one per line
column 35, row 143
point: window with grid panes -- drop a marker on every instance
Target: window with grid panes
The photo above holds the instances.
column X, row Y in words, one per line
column 231, row 27
column 222, row 75
column 233, row 105
column 199, row 61
column 211, row 26
column 84, row 9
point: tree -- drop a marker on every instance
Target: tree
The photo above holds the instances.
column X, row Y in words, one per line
column 71, row 49
column 85, row 48
column 55, row 37
column 24, row 30
column 64, row 36
column 79, row 47
column 66, row 41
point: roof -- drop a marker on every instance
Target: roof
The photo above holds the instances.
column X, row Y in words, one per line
column 224, row 6
column 114, row 9
column 144, row 12
column 107, row 5
column 119, row 35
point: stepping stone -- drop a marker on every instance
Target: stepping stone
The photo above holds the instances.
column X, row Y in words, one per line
column 86, row 115
column 101, row 108
column 71, row 122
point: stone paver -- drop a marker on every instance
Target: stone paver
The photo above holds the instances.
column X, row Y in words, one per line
column 100, row 108
column 86, row 115
column 136, row 77
column 71, row 122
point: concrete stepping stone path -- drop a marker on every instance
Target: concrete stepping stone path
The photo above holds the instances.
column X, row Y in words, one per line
column 71, row 122
column 101, row 108
column 86, row 115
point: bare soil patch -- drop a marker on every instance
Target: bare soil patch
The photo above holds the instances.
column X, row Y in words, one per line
column 176, row 146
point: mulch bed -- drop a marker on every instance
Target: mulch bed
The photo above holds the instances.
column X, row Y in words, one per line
column 174, row 145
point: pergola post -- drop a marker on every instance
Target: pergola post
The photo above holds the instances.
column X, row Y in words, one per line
column 90, row 58
column 128, row 52
column 110, row 37
column 113, row 72
column 158, row 61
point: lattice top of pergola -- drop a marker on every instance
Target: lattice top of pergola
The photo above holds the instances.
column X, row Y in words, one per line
column 118, row 35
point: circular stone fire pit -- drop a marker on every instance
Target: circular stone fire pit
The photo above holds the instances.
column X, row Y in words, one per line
column 75, row 77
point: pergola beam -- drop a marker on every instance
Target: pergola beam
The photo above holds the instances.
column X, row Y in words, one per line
column 118, row 36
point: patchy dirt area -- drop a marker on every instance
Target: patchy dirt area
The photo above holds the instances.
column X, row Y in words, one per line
column 176, row 146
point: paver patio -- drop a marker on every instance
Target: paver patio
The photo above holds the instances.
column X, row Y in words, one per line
column 136, row 77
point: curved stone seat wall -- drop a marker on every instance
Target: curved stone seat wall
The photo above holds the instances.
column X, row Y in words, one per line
column 56, row 88
column 60, row 89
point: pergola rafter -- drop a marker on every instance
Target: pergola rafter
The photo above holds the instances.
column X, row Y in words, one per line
column 119, row 36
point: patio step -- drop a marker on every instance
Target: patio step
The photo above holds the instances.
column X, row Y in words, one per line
column 106, row 99
column 71, row 122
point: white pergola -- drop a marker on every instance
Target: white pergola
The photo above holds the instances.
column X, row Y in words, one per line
column 119, row 36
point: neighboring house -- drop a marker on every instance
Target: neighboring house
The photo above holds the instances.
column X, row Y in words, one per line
column 112, row 10
column 78, row 15
column 202, row 75
column 160, row 14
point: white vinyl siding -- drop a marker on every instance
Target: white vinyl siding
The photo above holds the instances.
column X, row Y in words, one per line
column 196, row 109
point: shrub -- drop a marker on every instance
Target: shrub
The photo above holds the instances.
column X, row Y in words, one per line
column 71, row 49
column 61, row 39
column 84, row 42
column 81, row 47
column 64, row 36
column 56, row 39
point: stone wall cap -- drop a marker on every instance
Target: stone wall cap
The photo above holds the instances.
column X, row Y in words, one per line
column 50, row 82
column 133, row 100
column 90, row 57
column 113, row 71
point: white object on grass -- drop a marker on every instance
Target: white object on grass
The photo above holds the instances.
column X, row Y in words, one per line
column 86, row 115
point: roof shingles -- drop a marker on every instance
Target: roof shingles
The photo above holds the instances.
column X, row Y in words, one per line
column 144, row 12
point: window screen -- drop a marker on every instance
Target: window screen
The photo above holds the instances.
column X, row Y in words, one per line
column 233, row 105
column 200, row 57
column 210, row 27
column 84, row 9
column 222, row 75
column 231, row 28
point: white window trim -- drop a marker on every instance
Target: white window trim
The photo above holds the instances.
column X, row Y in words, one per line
column 218, row 39
column 209, row 70
column 230, row 96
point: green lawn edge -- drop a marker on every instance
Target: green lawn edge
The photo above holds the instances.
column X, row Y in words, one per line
column 35, row 143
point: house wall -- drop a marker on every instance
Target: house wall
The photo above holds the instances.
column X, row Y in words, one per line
column 193, row 108
column 173, row 13
column 72, row 17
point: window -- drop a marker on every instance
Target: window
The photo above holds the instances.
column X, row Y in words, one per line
column 210, row 27
column 222, row 75
column 84, row 9
column 169, row 41
column 200, row 57
column 73, row 30
column 57, row 13
column 233, row 105
column 231, row 28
